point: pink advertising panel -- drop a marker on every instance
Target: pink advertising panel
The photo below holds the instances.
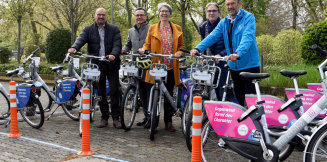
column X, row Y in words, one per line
column 308, row 99
column 315, row 87
column 271, row 106
column 223, row 119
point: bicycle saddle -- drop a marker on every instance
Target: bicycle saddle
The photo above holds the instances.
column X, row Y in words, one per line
column 248, row 75
column 290, row 73
column 12, row 72
column 58, row 67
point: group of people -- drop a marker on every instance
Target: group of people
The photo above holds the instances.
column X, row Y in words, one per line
column 234, row 36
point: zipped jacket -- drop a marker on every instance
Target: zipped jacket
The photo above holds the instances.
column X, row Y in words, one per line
column 136, row 37
column 243, row 40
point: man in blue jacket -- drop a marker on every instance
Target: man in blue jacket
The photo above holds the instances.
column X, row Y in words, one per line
column 218, row 48
column 237, row 30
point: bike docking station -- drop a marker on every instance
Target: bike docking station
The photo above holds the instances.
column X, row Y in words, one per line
column 196, row 130
column 86, row 141
column 14, row 132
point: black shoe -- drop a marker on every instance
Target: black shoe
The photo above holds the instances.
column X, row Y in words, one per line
column 142, row 122
column 147, row 124
column 103, row 123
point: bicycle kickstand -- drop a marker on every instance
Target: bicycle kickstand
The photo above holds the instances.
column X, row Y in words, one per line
column 48, row 118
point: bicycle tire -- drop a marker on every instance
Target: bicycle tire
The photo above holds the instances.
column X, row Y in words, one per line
column 128, row 107
column 317, row 142
column 209, row 143
column 80, row 125
column 4, row 106
column 185, row 115
column 93, row 108
column 71, row 107
column 33, row 113
column 46, row 99
column 154, row 111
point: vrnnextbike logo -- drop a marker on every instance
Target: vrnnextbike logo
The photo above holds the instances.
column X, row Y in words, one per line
column 243, row 130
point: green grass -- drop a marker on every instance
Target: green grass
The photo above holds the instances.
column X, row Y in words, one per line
column 278, row 80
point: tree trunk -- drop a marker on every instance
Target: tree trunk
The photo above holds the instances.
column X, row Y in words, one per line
column 129, row 14
column 194, row 23
column 19, row 21
column 295, row 13
column 34, row 29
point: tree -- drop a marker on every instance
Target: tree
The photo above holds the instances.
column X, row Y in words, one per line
column 18, row 9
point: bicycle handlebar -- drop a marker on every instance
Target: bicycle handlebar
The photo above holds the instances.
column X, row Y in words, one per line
column 322, row 53
column 30, row 56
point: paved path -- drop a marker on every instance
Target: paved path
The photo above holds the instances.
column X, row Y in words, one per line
column 58, row 140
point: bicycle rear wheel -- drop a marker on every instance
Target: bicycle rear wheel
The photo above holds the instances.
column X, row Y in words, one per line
column 45, row 99
column 4, row 106
column 154, row 114
column 33, row 113
column 129, row 107
column 316, row 149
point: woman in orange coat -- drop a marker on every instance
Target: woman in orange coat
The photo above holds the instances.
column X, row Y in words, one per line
column 165, row 38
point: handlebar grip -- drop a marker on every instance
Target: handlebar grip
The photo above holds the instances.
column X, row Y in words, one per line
column 35, row 51
column 322, row 53
column 146, row 52
column 183, row 50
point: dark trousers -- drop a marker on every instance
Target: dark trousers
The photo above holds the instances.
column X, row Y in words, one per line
column 144, row 91
column 170, row 87
column 223, row 76
column 114, row 93
column 243, row 86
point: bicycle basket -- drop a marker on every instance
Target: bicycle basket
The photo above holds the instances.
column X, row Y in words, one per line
column 91, row 72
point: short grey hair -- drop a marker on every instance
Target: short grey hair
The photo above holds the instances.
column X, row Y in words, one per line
column 164, row 4
column 213, row 4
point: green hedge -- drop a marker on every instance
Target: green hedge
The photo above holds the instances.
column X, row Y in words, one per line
column 57, row 43
column 4, row 55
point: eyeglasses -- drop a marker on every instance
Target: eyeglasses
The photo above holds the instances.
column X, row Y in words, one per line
column 164, row 11
column 212, row 11
column 101, row 15
column 139, row 15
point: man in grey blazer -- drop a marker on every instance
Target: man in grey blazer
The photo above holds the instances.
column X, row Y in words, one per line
column 104, row 39
column 136, row 38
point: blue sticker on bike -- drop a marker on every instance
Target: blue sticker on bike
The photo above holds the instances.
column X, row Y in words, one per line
column 65, row 92
column 23, row 95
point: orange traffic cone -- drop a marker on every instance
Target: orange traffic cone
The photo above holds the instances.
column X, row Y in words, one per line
column 86, row 141
column 14, row 132
column 196, row 130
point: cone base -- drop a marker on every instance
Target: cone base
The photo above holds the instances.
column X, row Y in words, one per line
column 15, row 135
column 85, row 153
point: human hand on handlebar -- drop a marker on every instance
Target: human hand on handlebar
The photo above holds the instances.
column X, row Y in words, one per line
column 194, row 52
column 141, row 51
column 233, row 57
column 217, row 61
column 177, row 55
column 111, row 57
column 72, row 50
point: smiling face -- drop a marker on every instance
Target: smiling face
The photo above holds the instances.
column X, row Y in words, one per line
column 212, row 13
column 233, row 6
column 164, row 14
column 140, row 17
column 100, row 16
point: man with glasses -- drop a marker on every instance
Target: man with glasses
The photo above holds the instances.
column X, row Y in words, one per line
column 238, row 30
column 136, row 38
column 213, row 18
column 104, row 39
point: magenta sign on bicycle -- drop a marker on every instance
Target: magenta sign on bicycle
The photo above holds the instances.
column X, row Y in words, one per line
column 315, row 87
column 223, row 119
column 308, row 99
column 271, row 106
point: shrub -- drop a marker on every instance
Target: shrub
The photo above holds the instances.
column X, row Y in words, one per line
column 4, row 55
column 57, row 43
column 287, row 47
column 316, row 34
column 265, row 46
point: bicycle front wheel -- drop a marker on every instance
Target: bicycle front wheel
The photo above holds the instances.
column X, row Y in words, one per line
column 33, row 113
column 4, row 106
column 185, row 116
column 210, row 143
column 154, row 114
column 71, row 107
column 129, row 107
column 316, row 149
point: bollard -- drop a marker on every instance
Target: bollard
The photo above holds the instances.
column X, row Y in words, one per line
column 14, row 132
column 86, row 141
column 196, row 129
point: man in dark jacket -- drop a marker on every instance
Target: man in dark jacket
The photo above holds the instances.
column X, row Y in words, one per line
column 136, row 38
column 104, row 39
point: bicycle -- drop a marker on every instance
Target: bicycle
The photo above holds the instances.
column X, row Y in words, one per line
column 91, row 74
column 159, row 73
column 245, row 131
column 28, row 103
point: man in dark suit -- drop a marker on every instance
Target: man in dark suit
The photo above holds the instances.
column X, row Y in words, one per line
column 104, row 39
